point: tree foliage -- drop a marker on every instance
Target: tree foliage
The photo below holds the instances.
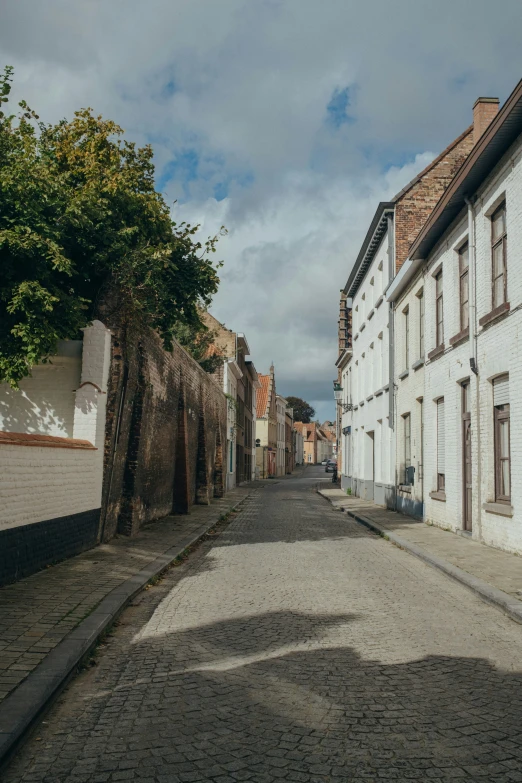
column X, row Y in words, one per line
column 79, row 217
column 199, row 342
column 302, row 410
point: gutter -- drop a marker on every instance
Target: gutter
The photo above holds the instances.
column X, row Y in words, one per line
column 406, row 274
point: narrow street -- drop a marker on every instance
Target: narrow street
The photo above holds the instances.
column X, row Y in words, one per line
column 295, row 646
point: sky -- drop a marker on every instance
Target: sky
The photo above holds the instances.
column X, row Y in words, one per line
column 286, row 121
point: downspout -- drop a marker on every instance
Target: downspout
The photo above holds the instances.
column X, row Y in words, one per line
column 473, row 353
column 391, row 351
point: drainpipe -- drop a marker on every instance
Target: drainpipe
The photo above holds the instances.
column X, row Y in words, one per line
column 391, row 351
column 477, row 519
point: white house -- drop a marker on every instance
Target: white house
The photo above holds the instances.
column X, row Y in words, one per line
column 366, row 436
column 370, row 369
column 281, row 405
column 468, row 262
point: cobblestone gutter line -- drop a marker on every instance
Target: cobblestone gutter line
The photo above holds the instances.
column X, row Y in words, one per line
column 32, row 698
column 492, row 595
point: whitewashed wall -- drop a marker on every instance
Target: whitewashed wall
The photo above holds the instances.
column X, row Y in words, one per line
column 368, row 389
column 64, row 399
column 498, row 351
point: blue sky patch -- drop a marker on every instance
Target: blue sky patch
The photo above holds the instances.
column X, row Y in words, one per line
column 337, row 108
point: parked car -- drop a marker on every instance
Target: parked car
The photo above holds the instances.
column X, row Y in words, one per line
column 324, row 462
column 330, row 465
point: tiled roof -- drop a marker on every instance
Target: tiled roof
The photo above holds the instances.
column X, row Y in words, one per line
column 262, row 396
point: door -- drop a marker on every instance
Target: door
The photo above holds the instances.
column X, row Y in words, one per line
column 467, row 504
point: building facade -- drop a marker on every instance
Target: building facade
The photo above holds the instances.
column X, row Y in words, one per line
column 281, row 435
column 266, row 426
column 467, row 259
column 289, row 441
column 367, row 412
column 238, row 378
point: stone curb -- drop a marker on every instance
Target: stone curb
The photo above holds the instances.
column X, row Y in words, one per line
column 492, row 595
column 34, row 696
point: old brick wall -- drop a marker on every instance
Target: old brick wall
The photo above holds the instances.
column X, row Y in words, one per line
column 165, row 435
column 415, row 206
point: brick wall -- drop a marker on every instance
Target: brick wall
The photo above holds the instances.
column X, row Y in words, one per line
column 416, row 204
column 166, row 433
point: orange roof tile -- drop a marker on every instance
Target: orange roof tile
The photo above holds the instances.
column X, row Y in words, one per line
column 262, row 396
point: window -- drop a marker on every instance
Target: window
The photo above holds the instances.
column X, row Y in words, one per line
column 439, row 309
column 499, row 256
column 502, row 439
column 407, row 445
column 464, row 286
column 421, row 324
column 441, row 447
column 407, row 337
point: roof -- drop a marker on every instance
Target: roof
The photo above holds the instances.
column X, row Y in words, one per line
column 487, row 152
column 262, row 396
column 379, row 223
column 433, row 163
column 369, row 247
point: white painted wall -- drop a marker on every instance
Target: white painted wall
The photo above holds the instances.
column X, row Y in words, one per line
column 66, row 399
column 498, row 351
column 369, row 373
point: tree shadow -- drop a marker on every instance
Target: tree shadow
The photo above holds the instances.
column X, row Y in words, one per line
column 272, row 696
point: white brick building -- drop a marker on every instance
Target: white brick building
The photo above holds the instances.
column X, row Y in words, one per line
column 52, row 433
column 366, row 436
column 468, row 261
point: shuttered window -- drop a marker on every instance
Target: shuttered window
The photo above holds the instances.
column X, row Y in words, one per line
column 502, row 439
column 441, row 446
column 501, row 390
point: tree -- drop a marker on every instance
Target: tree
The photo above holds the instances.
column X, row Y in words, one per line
column 302, row 410
column 199, row 342
column 79, row 218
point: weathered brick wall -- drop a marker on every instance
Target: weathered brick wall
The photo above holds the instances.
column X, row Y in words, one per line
column 415, row 206
column 165, row 435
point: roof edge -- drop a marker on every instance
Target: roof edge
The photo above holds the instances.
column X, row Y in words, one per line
column 383, row 207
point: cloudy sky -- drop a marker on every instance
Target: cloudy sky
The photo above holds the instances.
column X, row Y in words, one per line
column 285, row 120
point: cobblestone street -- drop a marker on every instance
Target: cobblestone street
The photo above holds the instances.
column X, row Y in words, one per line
column 294, row 646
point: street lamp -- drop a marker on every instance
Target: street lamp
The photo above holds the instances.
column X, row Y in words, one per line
column 338, row 395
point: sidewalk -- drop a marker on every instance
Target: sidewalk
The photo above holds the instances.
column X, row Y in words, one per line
column 494, row 575
column 50, row 620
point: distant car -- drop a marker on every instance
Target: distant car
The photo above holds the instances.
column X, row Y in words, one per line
column 324, row 462
column 330, row 465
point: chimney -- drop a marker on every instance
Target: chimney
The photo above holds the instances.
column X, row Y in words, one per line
column 484, row 111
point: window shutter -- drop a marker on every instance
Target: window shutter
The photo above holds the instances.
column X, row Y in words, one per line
column 441, row 438
column 501, row 390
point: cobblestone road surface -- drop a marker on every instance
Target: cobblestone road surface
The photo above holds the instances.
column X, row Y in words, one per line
column 296, row 646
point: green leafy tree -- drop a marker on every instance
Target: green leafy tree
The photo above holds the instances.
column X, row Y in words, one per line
column 199, row 342
column 302, row 410
column 80, row 219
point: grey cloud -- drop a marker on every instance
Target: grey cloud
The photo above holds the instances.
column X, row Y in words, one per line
column 250, row 85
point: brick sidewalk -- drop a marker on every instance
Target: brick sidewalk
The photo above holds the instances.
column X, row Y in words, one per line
column 38, row 612
column 501, row 570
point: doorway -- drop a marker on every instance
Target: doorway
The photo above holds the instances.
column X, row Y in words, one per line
column 467, row 505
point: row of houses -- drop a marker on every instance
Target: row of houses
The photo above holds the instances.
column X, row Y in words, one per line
column 114, row 432
column 429, row 365
column 261, row 439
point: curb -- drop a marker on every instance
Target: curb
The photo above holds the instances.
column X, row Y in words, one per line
column 491, row 595
column 34, row 696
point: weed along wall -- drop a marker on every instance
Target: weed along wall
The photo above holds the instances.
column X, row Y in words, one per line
column 165, row 434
